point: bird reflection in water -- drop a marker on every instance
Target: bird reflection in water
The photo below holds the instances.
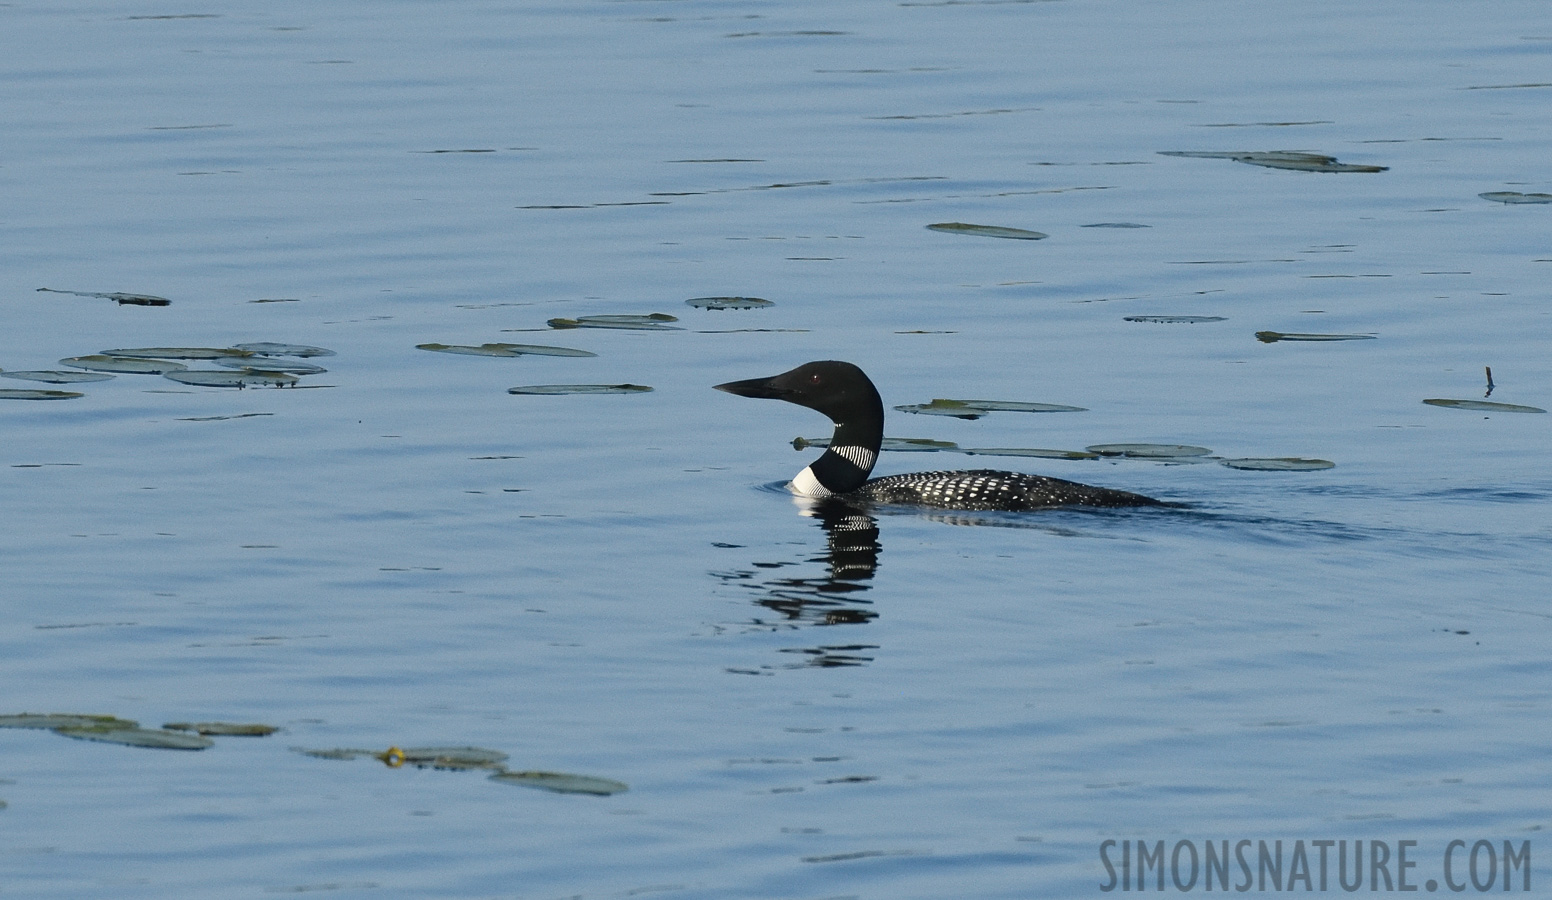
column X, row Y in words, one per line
column 834, row 598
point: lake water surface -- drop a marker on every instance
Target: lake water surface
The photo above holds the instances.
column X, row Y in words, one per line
column 400, row 553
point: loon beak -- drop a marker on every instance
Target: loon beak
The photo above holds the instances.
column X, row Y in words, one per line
column 761, row 388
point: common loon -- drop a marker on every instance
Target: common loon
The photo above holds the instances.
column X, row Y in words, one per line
column 843, row 392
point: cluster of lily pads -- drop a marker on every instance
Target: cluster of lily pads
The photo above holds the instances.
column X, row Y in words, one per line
column 197, row 736
column 113, row 730
column 263, row 363
column 975, row 409
column 478, row 759
column 1174, row 453
column 618, row 322
column 1273, row 159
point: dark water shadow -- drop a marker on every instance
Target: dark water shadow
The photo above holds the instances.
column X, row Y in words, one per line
column 831, row 595
column 832, row 587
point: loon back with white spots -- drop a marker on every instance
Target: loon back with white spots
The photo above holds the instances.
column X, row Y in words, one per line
column 844, row 393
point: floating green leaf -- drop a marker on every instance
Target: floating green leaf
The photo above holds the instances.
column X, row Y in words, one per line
column 1272, row 337
column 1515, row 197
column 1278, row 159
column 54, row 376
column 898, row 445
column 270, row 364
column 650, row 322
column 580, row 389
column 937, row 408
column 336, row 753
column 728, row 303
column 542, row 350
column 994, row 231
column 138, row 737
column 123, row 364
column 223, row 418
column 64, row 720
column 1175, row 320
column 1042, row 454
column 246, row 378
column 507, row 350
column 450, row 757
column 420, row 757
column 270, row 348
column 31, row 394
column 1279, row 464
column 562, row 783
column 222, row 729
column 468, row 350
column 974, row 409
column 1484, row 406
column 1149, row 451
column 915, row 445
column 177, row 352
column 121, row 299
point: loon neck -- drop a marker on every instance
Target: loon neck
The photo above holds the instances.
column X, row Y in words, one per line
column 842, row 468
column 849, row 460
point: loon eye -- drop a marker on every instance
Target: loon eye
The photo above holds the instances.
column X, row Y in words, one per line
column 815, row 378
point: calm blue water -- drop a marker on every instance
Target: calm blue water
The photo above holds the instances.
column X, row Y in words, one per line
column 407, row 555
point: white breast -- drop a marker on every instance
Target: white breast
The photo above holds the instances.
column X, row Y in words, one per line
column 806, row 485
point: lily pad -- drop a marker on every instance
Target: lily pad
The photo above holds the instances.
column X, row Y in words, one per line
column 974, row 409
column 993, row 231
column 32, row 394
column 55, row 376
column 507, row 350
column 177, row 352
column 124, row 365
column 1278, row 159
column 562, row 783
column 1042, row 454
column 447, row 757
column 271, row 364
column 64, row 720
column 1279, row 464
column 121, row 299
column 1175, row 320
column 898, row 445
column 580, row 389
column 469, row 350
column 649, row 322
column 335, row 753
column 270, row 348
column 1149, row 451
column 246, row 378
column 1272, row 337
column 542, row 350
column 1484, row 406
column 916, row 445
column 728, row 303
column 1515, row 197
column 935, row 408
column 138, row 737
column 223, row 729
column 421, row 757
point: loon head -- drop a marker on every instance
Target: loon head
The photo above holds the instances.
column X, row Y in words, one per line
column 842, row 392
